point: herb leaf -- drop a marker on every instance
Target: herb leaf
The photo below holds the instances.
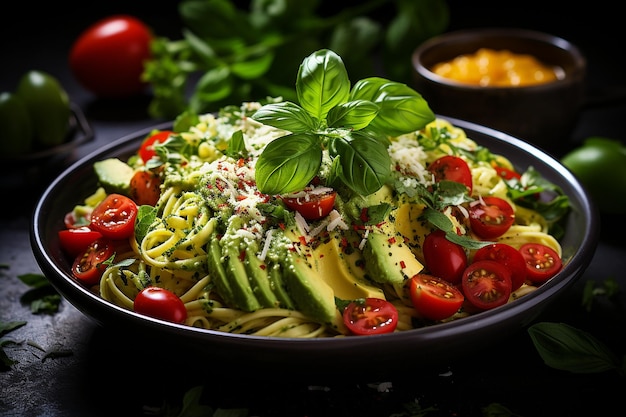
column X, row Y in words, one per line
column 364, row 161
column 322, row 83
column 402, row 109
column 287, row 116
column 288, row 163
column 570, row 349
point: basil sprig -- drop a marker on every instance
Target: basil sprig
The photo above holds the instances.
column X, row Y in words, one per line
column 352, row 123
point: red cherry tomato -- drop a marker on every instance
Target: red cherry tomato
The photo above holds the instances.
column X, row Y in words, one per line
column 87, row 267
column 146, row 150
column 506, row 173
column 76, row 240
column 491, row 217
column 508, row 256
column 72, row 222
column 312, row 206
column 434, row 298
column 372, row 316
column 443, row 258
column 542, row 262
column 145, row 188
column 486, row 284
column 160, row 303
column 108, row 57
column 452, row 168
column 115, row 216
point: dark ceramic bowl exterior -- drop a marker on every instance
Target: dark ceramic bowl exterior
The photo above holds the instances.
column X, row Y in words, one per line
column 374, row 355
column 544, row 114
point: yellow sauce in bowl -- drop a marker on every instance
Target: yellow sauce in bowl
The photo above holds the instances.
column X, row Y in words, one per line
column 489, row 67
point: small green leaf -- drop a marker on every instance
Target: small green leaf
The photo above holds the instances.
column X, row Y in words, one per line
column 356, row 114
column 288, row 164
column 364, row 162
column 214, row 85
column 322, row 83
column 402, row 109
column 253, row 67
column 287, row 116
column 236, row 145
column 145, row 217
column 570, row 349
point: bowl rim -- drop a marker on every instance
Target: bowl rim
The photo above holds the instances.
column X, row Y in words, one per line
column 578, row 58
column 343, row 350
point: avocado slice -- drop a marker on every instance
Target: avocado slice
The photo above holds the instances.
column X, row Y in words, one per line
column 343, row 270
column 243, row 292
column 114, row 175
column 388, row 258
column 277, row 284
column 312, row 295
column 259, row 277
column 217, row 272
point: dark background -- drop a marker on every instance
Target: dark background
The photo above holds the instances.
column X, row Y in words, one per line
column 112, row 374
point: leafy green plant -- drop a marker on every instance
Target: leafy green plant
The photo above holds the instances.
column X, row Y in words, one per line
column 229, row 54
column 567, row 348
column 351, row 123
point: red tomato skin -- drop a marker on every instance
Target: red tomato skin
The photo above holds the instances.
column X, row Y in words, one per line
column 434, row 298
column 542, row 262
column 508, row 256
column 75, row 241
column 115, row 216
column 315, row 208
column 160, row 303
column 452, row 168
column 145, row 188
column 443, row 258
column 374, row 316
column 146, row 150
column 506, row 173
column 486, row 284
column 491, row 219
column 87, row 267
column 108, row 57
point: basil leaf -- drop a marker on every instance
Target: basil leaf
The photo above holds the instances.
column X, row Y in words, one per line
column 364, row 162
column 285, row 115
column 570, row 349
column 253, row 67
column 216, row 84
column 402, row 109
column 237, row 146
column 355, row 114
column 277, row 174
column 322, row 83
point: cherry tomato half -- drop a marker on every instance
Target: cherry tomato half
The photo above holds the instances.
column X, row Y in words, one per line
column 145, row 188
column 542, row 262
column 452, row 168
column 491, row 217
column 160, row 303
column 434, row 298
column 108, row 57
column 506, row 173
column 87, row 267
column 71, row 221
column 312, row 205
column 76, row 240
column 146, row 150
column 486, row 284
column 443, row 258
column 372, row 316
column 115, row 216
column 508, row 256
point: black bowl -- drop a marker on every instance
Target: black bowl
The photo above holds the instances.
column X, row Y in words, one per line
column 543, row 114
column 383, row 353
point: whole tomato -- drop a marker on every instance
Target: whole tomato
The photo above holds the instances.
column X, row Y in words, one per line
column 108, row 57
